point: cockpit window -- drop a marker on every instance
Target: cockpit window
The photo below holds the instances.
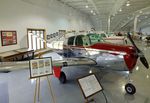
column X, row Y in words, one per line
column 86, row 41
column 103, row 35
column 79, row 41
column 71, row 40
column 95, row 38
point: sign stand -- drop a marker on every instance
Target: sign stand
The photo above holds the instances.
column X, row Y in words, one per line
column 37, row 90
column 88, row 101
column 50, row 89
column 41, row 68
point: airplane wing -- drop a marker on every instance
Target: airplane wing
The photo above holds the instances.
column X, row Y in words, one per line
column 18, row 65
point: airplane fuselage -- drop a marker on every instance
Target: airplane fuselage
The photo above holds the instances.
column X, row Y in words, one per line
column 118, row 57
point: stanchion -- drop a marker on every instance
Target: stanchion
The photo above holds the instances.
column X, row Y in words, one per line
column 88, row 101
column 37, row 90
column 50, row 89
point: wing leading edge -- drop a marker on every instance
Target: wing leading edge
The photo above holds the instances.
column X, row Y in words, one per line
column 11, row 66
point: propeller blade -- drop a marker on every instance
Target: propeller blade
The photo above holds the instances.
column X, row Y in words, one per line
column 130, row 38
column 144, row 62
column 140, row 53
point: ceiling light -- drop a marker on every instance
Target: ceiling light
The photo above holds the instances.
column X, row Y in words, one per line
column 94, row 13
column 120, row 10
column 91, row 11
column 86, row 6
column 147, row 76
column 141, row 12
column 127, row 4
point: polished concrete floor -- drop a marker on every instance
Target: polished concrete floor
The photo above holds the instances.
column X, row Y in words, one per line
column 16, row 87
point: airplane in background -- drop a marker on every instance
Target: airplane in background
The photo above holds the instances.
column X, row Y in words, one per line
column 81, row 50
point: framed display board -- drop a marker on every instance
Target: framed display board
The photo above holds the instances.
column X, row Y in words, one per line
column 8, row 38
column 89, row 85
column 40, row 67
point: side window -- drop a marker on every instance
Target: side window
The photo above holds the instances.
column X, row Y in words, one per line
column 79, row 41
column 86, row 41
column 71, row 40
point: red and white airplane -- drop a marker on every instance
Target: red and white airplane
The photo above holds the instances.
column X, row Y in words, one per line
column 79, row 51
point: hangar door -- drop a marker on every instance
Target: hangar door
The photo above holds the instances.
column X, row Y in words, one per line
column 36, row 39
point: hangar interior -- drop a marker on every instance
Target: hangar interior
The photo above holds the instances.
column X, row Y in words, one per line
column 76, row 30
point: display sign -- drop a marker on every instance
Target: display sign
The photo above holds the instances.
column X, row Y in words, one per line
column 89, row 85
column 8, row 38
column 40, row 67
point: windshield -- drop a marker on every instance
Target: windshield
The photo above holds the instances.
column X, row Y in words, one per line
column 95, row 38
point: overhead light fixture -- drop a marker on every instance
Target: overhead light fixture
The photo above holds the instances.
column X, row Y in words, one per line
column 141, row 12
column 127, row 4
column 86, row 6
column 91, row 11
column 120, row 10
column 147, row 76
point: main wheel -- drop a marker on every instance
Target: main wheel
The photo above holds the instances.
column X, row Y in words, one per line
column 62, row 78
column 130, row 88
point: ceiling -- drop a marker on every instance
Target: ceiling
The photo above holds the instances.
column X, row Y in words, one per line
column 120, row 12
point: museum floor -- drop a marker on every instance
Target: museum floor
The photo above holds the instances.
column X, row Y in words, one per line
column 16, row 87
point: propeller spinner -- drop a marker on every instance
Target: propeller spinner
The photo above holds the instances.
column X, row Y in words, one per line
column 139, row 53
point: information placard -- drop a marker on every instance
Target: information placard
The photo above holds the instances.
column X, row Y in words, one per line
column 40, row 67
column 89, row 85
column 8, row 38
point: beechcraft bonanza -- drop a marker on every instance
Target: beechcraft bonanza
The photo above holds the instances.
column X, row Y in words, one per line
column 82, row 50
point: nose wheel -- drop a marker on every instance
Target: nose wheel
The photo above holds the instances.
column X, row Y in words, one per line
column 130, row 88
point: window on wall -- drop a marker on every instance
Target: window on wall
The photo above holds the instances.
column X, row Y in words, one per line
column 36, row 39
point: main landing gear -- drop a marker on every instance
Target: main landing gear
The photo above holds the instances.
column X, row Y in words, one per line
column 62, row 77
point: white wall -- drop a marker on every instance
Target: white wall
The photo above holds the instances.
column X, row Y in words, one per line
column 46, row 14
column 146, row 30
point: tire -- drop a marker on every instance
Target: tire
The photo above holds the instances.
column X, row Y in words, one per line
column 130, row 88
column 62, row 78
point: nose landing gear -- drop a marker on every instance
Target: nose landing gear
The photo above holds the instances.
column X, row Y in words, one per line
column 130, row 88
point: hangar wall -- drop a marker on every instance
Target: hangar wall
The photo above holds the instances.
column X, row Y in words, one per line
column 45, row 14
column 146, row 30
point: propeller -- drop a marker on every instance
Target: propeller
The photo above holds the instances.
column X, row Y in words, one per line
column 139, row 52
